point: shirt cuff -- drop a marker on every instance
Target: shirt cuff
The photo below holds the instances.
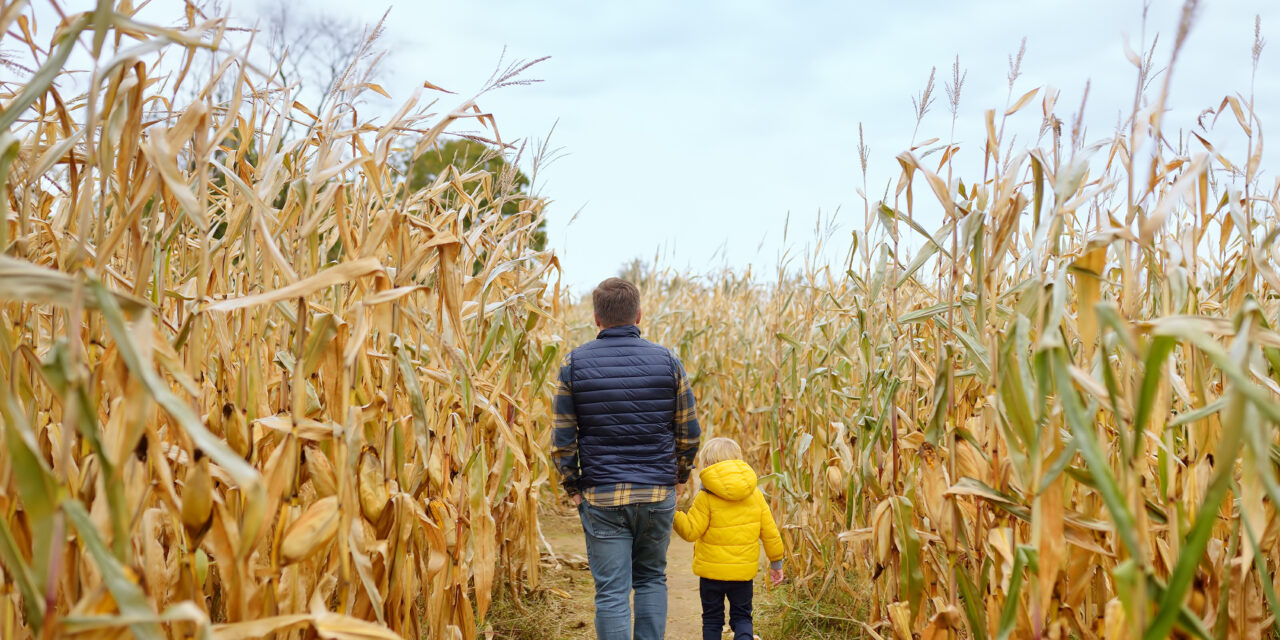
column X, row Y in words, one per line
column 776, row 565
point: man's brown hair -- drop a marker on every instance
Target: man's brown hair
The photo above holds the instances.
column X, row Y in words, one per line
column 616, row 302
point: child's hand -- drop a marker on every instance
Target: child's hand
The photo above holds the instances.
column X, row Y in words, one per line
column 775, row 576
column 684, row 495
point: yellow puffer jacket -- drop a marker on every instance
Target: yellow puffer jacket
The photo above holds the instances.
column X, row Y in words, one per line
column 726, row 523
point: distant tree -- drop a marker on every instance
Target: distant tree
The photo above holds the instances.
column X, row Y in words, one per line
column 467, row 156
column 317, row 52
column 313, row 52
column 635, row 271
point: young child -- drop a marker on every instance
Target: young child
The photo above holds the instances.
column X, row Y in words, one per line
column 726, row 523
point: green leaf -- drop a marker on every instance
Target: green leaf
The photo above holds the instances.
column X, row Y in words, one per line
column 40, row 494
column 878, row 276
column 1014, row 395
column 9, row 148
column 1130, row 589
column 70, row 384
column 1189, row 329
column 925, row 313
column 933, row 246
column 496, row 331
column 1009, row 613
column 910, row 575
column 977, row 355
column 1067, row 182
column 1059, row 465
column 32, row 593
column 1109, row 316
column 1197, row 541
column 1082, row 429
column 887, row 216
column 1187, row 620
column 974, row 610
column 127, row 594
column 787, row 338
column 1037, row 179
column 22, row 281
column 1268, row 586
column 102, row 15
column 1157, row 353
column 319, row 338
column 934, row 429
column 1196, row 415
column 1225, row 591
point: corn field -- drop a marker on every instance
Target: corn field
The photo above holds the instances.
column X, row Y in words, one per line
column 253, row 385
column 1055, row 419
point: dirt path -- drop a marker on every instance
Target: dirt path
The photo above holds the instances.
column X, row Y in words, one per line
column 684, row 606
column 684, row 609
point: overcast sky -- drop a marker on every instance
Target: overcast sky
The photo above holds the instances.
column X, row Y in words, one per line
column 694, row 128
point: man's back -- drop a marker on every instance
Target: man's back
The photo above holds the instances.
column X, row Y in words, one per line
column 624, row 393
column 626, row 431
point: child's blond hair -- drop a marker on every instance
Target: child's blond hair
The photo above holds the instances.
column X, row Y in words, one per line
column 719, row 450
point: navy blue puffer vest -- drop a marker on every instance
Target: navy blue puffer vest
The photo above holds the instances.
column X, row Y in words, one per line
column 624, row 394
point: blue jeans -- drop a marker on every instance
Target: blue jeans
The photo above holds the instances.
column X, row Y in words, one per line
column 627, row 551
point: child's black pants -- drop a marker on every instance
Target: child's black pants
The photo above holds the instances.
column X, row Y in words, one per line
column 714, row 593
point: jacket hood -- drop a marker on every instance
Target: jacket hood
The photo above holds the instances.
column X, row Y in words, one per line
column 731, row 479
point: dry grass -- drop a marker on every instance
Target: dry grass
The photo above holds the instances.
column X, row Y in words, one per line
column 790, row 612
column 543, row 615
column 253, row 384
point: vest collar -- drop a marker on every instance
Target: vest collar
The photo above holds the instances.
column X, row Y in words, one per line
column 624, row 331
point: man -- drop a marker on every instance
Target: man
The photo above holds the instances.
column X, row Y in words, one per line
column 625, row 435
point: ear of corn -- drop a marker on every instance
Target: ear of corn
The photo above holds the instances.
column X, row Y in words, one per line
column 197, row 500
column 252, row 384
column 310, row 532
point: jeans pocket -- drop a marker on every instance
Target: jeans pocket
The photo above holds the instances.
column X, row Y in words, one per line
column 603, row 522
column 661, row 516
column 582, row 517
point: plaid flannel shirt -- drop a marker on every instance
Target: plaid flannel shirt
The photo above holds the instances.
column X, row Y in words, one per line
column 565, row 446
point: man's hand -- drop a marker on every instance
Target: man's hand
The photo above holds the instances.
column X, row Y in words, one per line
column 682, row 491
column 775, row 576
column 576, row 498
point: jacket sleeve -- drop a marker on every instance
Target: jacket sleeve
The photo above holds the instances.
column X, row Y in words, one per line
column 693, row 524
column 564, row 435
column 688, row 432
column 773, row 546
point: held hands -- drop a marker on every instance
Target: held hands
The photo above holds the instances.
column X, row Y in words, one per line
column 775, row 576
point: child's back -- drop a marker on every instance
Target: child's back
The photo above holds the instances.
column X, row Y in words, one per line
column 726, row 523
